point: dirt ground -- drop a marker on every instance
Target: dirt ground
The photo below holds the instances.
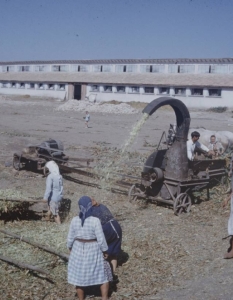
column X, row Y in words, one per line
column 164, row 256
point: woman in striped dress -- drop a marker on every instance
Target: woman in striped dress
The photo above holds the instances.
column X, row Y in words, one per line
column 88, row 247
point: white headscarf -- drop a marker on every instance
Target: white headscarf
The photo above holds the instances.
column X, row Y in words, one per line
column 53, row 167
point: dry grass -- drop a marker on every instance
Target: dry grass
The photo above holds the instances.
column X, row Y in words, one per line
column 160, row 249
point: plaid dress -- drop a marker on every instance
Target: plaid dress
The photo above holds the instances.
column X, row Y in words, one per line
column 86, row 262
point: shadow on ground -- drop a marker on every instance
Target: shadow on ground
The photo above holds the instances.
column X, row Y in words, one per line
column 36, row 211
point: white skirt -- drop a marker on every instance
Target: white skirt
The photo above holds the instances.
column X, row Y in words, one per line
column 86, row 265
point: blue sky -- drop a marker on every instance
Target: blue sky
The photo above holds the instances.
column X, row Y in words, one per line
column 102, row 29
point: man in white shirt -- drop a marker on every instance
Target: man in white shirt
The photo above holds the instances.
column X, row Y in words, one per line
column 193, row 143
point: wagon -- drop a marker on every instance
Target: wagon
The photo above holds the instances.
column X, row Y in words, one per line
column 35, row 157
column 168, row 176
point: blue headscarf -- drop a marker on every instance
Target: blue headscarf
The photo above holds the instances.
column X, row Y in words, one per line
column 85, row 206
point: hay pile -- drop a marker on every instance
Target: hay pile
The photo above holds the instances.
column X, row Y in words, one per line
column 8, row 206
column 75, row 105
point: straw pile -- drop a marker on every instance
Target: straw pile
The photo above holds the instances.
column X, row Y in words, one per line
column 8, row 206
column 74, row 105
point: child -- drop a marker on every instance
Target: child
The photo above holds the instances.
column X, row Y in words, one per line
column 87, row 119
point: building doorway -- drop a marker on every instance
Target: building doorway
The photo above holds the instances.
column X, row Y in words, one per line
column 77, row 91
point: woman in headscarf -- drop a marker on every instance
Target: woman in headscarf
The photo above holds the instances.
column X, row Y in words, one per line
column 54, row 190
column 112, row 231
column 87, row 245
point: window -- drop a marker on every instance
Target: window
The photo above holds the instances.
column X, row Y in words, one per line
column 22, row 85
column 55, row 68
column 180, row 91
column 120, row 68
column 134, row 89
column 61, row 68
column 94, row 88
column 215, row 92
column 149, row 90
column 39, row 68
column 131, row 68
column 106, row 68
column 8, row 68
column 13, row 85
column 51, row 86
column 61, row 87
column 5, row 69
column 97, row 68
column 75, row 68
column 120, row 89
column 164, row 90
column 4, row 84
column 145, row 68
column 219, row 69
column 197, row 92
column 203, row 69
column 23, row 68
column 172, row 68
column 108, row 88
column 187, row 69
column 31, row 85
column 84, row 68
column 64, row 68
column 158, row 68
column 40, row 86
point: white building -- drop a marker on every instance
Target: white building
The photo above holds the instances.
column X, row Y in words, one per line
column 197, row 82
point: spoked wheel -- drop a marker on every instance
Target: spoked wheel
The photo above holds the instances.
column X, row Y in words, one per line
column 16, row 162
column 135, row 193
column 182, row 203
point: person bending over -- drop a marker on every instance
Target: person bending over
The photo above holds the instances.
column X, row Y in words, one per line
column 112, row 231
column 54, row 191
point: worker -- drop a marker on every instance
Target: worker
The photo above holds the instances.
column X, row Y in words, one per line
column 88, row 250
column 112, row 231
column 194, row 146
column 215, row 145
column 54, row 191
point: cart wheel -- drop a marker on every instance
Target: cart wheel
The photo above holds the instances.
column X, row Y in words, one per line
column 16, row 163
column 182, row 203
column 134, row 190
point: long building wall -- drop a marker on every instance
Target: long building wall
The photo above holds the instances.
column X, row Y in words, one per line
column 124, row 93
column 199, row 83
column 38, row 90
column 225, row 97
